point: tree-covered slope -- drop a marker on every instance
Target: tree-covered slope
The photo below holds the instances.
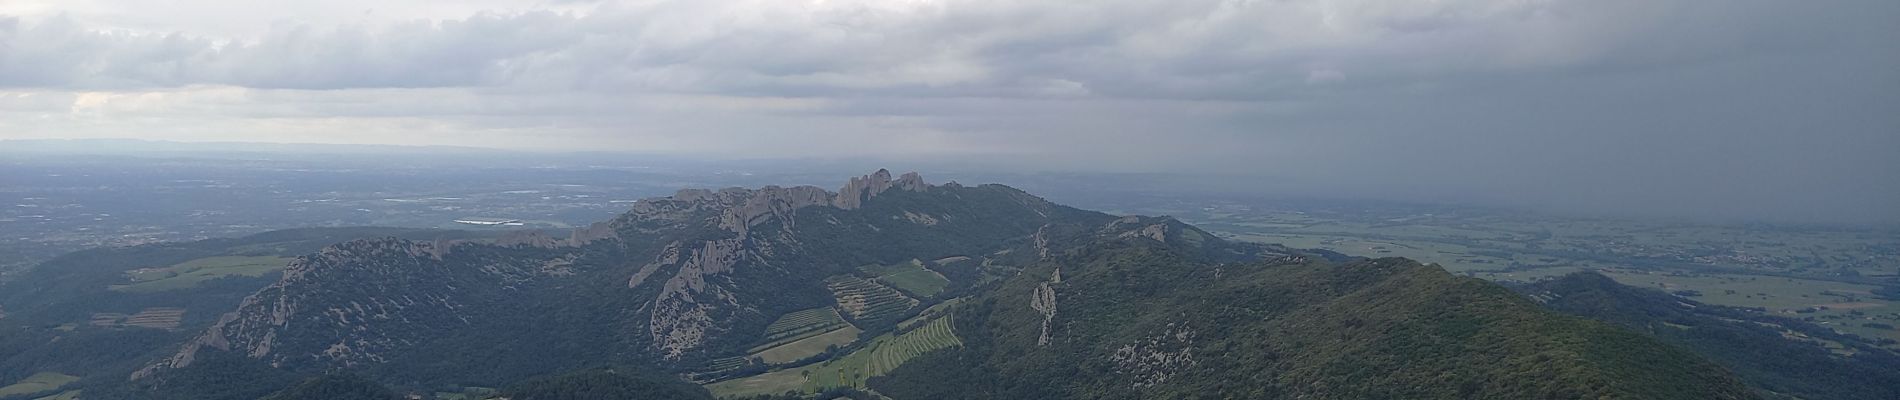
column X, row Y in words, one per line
column 1781, row 356
column 335, row 387
column 1131, row 317
column 605, row 383
column 71, row 314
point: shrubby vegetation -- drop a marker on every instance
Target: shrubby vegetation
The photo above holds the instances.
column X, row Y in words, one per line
column 1756, row 346
column 1140, row 319
column 338, row 386
column 605, row 383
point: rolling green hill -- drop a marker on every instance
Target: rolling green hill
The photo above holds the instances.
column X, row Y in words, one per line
column 1781, row 356
column 1133, row 318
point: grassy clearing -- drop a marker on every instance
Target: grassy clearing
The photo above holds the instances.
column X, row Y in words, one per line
column 877, row 358
column 809, row 346
column 799, row 325
column 910, row 277
column 66, row 395
column 467, row 393
column 821, row 317
column 39, row 382
column 777, row 382
column 881, row 356
column 188, row 274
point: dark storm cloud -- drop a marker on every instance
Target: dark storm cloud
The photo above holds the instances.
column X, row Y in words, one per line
column 1751, row 109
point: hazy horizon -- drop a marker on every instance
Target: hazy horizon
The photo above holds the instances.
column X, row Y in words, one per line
column 1734, row 111
column 824, row 172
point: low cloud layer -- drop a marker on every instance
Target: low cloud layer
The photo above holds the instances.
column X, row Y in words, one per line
column 1750, row 109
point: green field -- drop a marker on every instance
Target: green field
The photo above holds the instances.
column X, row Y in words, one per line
column 188, row 274
column 799, row 325
column 467, row 393
column 39, row 382
column 910, row 277
column 66, row 395
column 809, row 346
column 1846, row 307
column 866, row 300
column 879, row 356
column 1786, row 270
column 821, row 318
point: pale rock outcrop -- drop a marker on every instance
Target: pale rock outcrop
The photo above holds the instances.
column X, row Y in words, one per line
column 1041, row 241
column 1155, row 359
column 1136, row 226
column 1044, row 301
column 911, row 181
column 683, row 311
column 859, row 189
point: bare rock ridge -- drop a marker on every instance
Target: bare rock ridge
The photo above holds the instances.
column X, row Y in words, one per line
column 682, row 314
column 740, row 208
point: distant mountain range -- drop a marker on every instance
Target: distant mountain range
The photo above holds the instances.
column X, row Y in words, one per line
column 886, row 287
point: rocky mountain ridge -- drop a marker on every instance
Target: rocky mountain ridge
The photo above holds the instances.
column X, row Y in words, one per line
column 1047, row 301
column 677, row 257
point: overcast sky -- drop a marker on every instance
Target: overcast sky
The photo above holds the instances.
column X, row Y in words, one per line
column 1755, row 109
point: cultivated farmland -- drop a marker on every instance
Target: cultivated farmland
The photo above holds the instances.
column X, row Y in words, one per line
column 910, row 277
column 868, row 302
column 188, row 274
column 38, row 382
column 876, row 358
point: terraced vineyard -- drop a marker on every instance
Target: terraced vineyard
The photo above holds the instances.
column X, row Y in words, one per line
column 155, row 318
column 868, row 302
column 910, row 277
column 882, row 355
column 721, row 364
